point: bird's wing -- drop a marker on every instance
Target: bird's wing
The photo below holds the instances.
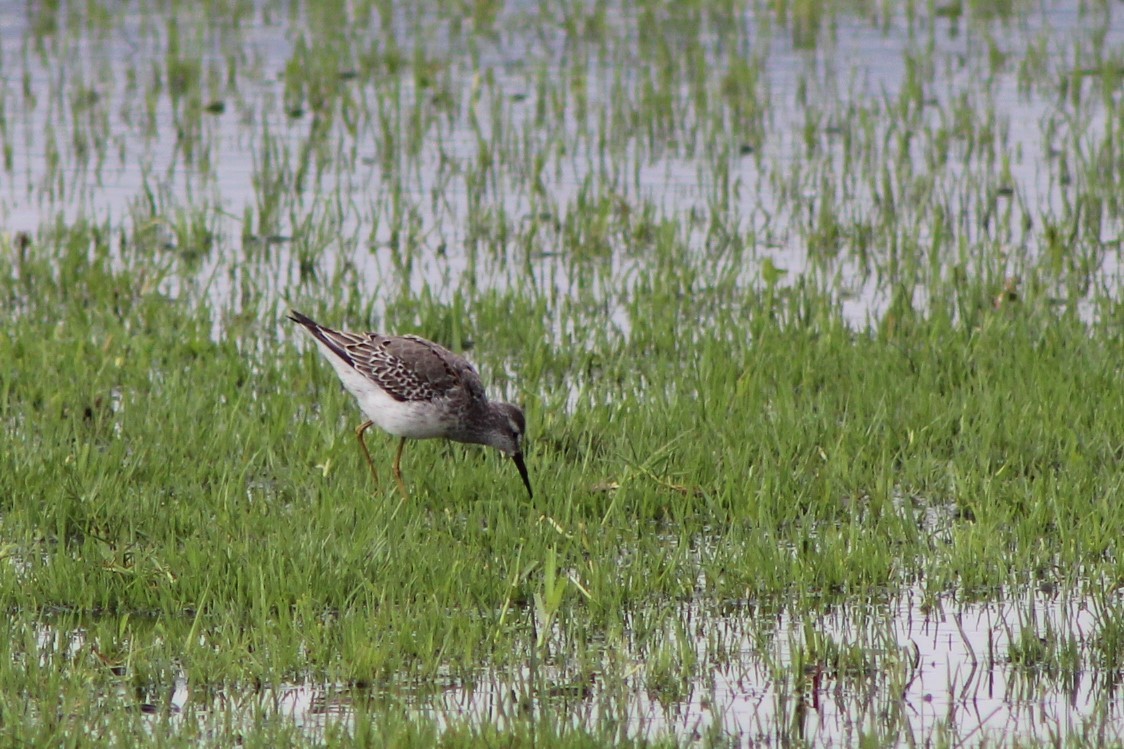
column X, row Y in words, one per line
column 409, row 368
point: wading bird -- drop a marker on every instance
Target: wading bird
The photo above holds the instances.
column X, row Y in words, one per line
column 415, row 389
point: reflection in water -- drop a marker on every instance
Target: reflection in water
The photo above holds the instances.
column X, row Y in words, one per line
column 912, row 671
column 367, row 197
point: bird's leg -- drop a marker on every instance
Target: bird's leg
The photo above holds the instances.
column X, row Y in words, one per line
column 366, row 453
column 398, row 469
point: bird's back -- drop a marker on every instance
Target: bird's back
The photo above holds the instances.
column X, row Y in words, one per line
column 410, row 368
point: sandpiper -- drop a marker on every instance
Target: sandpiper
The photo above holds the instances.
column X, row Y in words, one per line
column 415, row 389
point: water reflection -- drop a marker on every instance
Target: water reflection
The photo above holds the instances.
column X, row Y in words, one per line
column 431, row 173
column 916, row 670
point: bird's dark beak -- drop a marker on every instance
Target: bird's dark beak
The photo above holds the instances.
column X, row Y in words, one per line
column 518, row 458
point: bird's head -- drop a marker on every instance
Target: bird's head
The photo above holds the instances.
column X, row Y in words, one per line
column 506, row 435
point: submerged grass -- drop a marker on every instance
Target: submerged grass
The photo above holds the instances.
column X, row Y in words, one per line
column 646, row 230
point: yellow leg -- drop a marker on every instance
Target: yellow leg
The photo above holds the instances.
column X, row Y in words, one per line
column 398, row 469
column 366, row 453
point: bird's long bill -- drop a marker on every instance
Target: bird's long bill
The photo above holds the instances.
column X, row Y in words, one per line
column 518, row 458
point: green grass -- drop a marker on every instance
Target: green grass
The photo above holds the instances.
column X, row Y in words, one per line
column 657, row 243
column 198, row 503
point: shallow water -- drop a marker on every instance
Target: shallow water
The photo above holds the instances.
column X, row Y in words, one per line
column 913, row 670
column 94, row 131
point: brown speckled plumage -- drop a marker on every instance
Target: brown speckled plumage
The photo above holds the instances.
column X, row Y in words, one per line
column 415, row 388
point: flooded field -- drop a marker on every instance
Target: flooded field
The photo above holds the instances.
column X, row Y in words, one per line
column 823, row 144
column 912, row 670
column 814, row 310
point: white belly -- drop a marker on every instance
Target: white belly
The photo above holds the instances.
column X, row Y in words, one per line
column 417, row 420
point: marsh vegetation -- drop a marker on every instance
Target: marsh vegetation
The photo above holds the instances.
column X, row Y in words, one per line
column 813, row 308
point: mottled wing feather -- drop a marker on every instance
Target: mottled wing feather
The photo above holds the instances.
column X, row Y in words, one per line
column 412, row 369
column 463, row 373
column 342, row 343
column 407, row 367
